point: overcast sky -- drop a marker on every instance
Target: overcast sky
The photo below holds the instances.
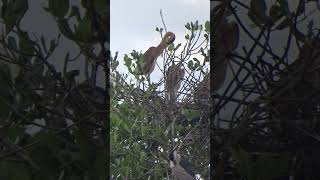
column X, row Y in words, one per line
column 39, row 23
column 133, row 23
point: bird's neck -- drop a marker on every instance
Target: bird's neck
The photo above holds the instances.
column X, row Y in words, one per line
column 160, row 48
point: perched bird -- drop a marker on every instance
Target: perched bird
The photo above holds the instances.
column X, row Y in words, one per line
column 173, row 82
column 202, row 90
column 226, row 40
column 151, row 55
column 181, row 169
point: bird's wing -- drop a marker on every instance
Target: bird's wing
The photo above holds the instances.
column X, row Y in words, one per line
column 170, row 73
column 150, row 53
column 149, row 60
column 233, row 36
column 181, row 174
column 187, row 167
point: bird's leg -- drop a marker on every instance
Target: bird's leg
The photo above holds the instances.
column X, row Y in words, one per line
column 148, row 79
column 139, row 81
column 167, row 97
column 142, row 80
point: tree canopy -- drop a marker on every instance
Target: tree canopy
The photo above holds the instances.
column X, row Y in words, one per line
column 265, row 123
column 52, row 122
column 145, row 126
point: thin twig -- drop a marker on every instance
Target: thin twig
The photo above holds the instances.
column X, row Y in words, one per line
column 164, row 25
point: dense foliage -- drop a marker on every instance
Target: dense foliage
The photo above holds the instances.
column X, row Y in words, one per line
column 266, row 121
column 145, row 127
column 53, row 123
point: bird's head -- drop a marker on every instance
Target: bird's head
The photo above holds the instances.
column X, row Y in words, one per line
column 181, row 73
column 180, row 168
column 169, row 38
column 175, row 157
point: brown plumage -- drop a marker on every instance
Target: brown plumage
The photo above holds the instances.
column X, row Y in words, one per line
column 202, row 91
column 181, row 174
column 226, row 40
column 175, row 76
column 151, row 55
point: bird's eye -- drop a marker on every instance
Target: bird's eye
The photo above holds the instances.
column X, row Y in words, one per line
column 170, row 39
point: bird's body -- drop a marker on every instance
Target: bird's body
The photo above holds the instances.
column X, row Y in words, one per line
column 180, row 168
column 181, row 174
column 151, row 55
column 202, row 91
column 226, row 40
column 149, row 65
column 173, row 81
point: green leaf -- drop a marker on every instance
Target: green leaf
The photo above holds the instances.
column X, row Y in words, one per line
column 258, row 7
column 245, row 165
column 43, row 43
column 5, row 90
column 299, row 35
column 51, row 140
column 75, row 12
column 202, row 52
column 14, row 132
column 86, row 154
column 196, row 64
column 38, row 67
column 190, row 65
column 196, row 25
column 275, row 13
column 12, row 44
column 25, row 44
column 271, row 166
column 124, row 127
column 58, row 8
column 188, row 26
column 257, row 11
column 148, row 93
column 206, row 36
column 127, row 60
column 65, row 28
column 114, row 63
column 70, row 75
column 187, row 36
column 115, row 56
column 207, row 26
column 100, row 165
column 254, row 19
column 200, row 27
column 284, row 7
column 285, row 23
column 310, row 27
column 301, row 8
column 45, row 153
column 191, row 114
column 84, row 29
column 177, row 47
column 53, row 45
column 115, row 119
column 13, row 12
column 10, row 170
column 99, row 5
column 171, row 47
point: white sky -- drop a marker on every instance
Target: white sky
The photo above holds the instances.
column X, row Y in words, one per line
column 133, row 23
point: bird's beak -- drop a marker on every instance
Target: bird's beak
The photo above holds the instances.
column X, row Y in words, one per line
column 172, row 38
column 171, row 164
